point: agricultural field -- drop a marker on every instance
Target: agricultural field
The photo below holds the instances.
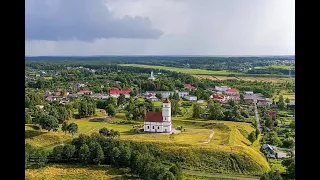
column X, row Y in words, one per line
column 183, row 70
column 75, row 171
column 251, row 78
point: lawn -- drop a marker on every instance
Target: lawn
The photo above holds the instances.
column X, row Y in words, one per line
column 183, row 70
column 74, row 171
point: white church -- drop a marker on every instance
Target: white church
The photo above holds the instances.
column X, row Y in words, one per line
column 159, row 121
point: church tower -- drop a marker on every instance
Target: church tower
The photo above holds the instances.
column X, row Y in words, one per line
column 166, row 110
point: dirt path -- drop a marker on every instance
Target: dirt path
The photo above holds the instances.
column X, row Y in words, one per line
column 209, row 138
column 221, row 175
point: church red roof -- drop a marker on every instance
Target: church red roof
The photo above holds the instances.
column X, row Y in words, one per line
column 166, row 100
column 153, row 117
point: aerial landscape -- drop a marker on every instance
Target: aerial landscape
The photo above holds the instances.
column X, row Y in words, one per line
column 152, row 110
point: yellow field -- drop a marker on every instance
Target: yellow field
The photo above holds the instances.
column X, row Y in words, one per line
column 73, row 171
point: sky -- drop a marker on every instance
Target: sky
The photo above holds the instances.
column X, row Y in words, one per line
column 161, row 27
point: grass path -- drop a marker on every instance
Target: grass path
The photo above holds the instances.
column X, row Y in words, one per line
column 203, row 174
column 209, row 138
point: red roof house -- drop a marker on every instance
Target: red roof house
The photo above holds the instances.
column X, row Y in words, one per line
column 273, row 114
column 231, row 91
column 189, row 86
column 117, row 91
column 218, row 97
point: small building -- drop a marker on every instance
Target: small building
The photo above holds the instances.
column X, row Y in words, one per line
column 151, row 97
column 220, row 98
column 249, row 92
column 85, row 92
column 292, row 102
column 189, row 86
column 183, row 93
column 272, row 114
column 281, row 155
column 51, row 98
column 190, row 98
column 261, row 103
column 221, row 88
column 248, row 101
column 234, row 98
column 231, row 92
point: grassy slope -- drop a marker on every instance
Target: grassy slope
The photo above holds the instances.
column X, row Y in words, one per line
column 73, row 171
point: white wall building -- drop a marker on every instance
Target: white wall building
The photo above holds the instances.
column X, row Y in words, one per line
column 159, row 122
column 190, row 98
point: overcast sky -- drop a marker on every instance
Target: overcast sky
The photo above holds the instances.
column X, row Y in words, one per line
column 160, row 27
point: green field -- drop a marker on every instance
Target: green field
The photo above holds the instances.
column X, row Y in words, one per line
column 280, row 66
column 184, row 70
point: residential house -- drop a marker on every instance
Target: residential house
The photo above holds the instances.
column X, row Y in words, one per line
column 190, row 98
column 221, row 98
column 281, row 155
column 221, row 88
column 292, row 102
column 151, row 97
column 210, row 89
column 269, row 148
column 189, row 86
column 183, row 93
column 231, row 92
column 234, row 98
column 57, row 93
column 85, row 92
column 249, row 101
column 116, row 92
column 249, row 92
column 51, row 98
column 261, row 103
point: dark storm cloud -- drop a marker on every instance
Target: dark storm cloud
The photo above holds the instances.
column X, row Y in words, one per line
column 84, row 20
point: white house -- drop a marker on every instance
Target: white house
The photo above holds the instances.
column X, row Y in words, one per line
column 281, row 155
column 190, row 98
column 249, row 92
column 183, row 93
column 159, row 121
column 221, row 88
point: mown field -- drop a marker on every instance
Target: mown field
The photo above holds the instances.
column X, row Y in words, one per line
column 252, row 78
column 229, row 150
column 183, row 70
column 75, row 171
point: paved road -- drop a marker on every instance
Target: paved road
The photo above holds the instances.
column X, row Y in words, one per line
column 257, row 117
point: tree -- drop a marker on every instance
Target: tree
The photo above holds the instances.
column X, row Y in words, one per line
column 274, row 139
column 40, row 157
column 96, row 153
column 281, row 103
column 83, row 109
column 166, row 175
column 121, row 99
column 292, row 170
column 289, row 142
column 73, row 128
column 196, row 110
column 57, row 152
column 112, row 100
column 287, row 100
column 175, row 107
column 110, row 110
column 241, row 98
column 115, row 156
column 149, row 105
column 64, row 127
column 252, row 136
column 28, row 119
column 49, row 122
column 269, row 122
column 176, row 171
column 215, row 111
column 159, row 96
column 257, row 133
column 84, row 153
column 68, row 151
column 104, row 131
column 231, row 102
